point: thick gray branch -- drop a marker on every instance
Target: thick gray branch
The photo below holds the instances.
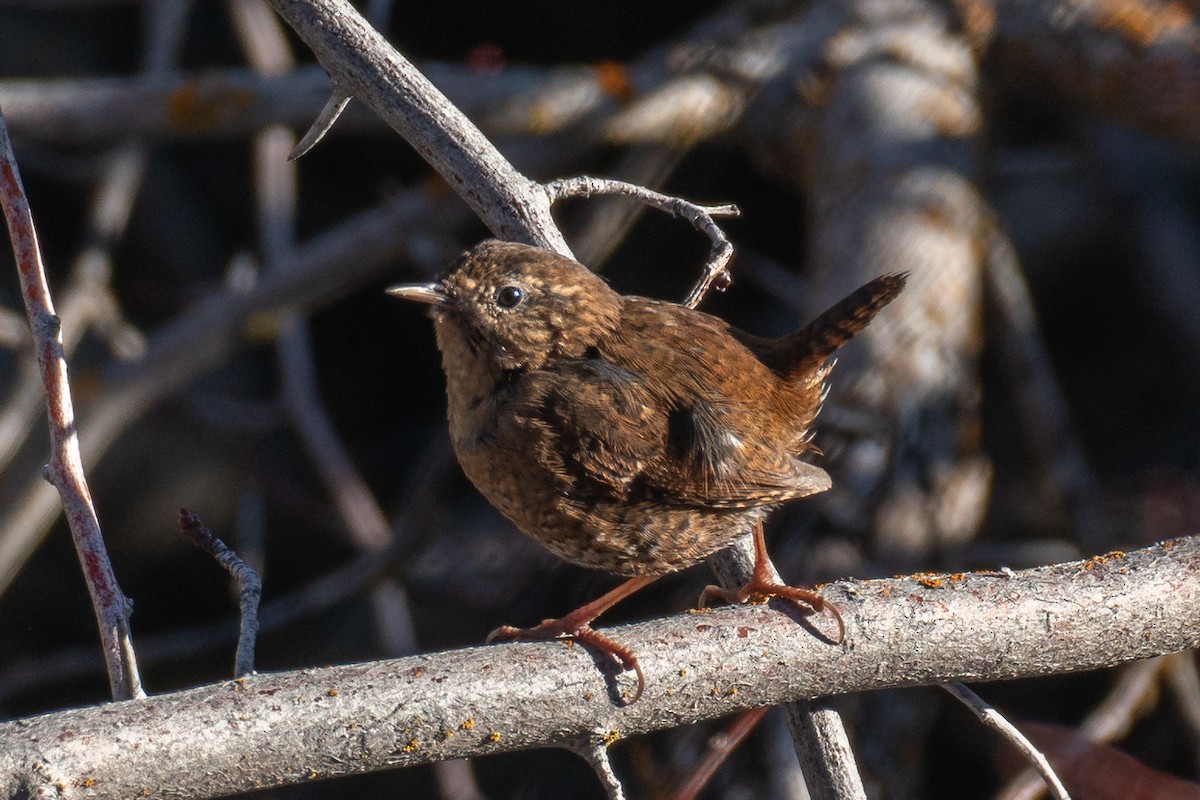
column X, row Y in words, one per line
column 298, row 726
column 365, row 66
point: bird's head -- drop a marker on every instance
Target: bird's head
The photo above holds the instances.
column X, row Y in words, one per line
column 517, row 307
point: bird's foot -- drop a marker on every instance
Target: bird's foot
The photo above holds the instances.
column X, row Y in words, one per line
column 758, row 589
column 568, row 628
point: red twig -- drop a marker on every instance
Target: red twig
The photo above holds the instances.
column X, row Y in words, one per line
column 66, row 467
column 719, row 749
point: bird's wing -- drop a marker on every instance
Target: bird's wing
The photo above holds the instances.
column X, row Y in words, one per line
column 606, row 431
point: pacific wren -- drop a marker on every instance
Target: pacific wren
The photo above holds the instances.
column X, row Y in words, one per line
column 625, row 434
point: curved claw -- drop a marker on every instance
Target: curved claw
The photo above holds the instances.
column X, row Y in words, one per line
column 584, row 634
column 505, row 633
column 755, row 588
column 624, row 656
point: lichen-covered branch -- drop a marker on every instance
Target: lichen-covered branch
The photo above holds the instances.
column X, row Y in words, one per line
column 300, row 726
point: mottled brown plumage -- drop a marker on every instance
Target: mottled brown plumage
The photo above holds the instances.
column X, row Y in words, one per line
column 625, row 434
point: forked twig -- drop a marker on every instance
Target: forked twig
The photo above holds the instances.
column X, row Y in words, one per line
column 701, row 217
column 66, row 466
column 248, row 583
column 993, row 719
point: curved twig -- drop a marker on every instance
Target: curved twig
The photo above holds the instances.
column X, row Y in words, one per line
column 248, row 583
column 993, row 719
column 701, row 217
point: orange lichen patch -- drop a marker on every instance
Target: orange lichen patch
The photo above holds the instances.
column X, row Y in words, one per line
column 611, row 737
column 1142, row 23
column 446, row 733
column 332, row 692
column 930, row 580
column 417, row 672
column 1096, row 562
column 467, row 725
column 494, row 737
column 957, row 577
column 411, row 747
column 683, row 672
column 86, row 783
column 614, row 80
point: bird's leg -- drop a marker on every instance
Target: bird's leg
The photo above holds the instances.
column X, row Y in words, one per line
column 577, row 626
column 762, row 584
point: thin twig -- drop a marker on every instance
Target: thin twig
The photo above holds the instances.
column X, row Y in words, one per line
column 66, row 465
column 594, row 750
column 701, row 217
column 248, row 583
column 993, row 719
column 88, row 299
column 1109, row 721
column 365, row 66
column 1184, row 680
column 719, row 749
column 330, row 112
column 177, row 646
column 604, row 224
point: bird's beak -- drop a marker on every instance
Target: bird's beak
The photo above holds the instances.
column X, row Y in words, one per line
column 428, row 293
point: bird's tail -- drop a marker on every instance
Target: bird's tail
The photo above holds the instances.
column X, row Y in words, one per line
column 806, row 350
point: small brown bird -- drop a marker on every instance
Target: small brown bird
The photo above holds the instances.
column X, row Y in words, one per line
column 625, row 434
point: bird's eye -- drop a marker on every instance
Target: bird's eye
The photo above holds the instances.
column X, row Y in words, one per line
column 509, row 297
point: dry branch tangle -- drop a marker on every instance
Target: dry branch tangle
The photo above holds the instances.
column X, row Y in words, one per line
column 297, row 726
